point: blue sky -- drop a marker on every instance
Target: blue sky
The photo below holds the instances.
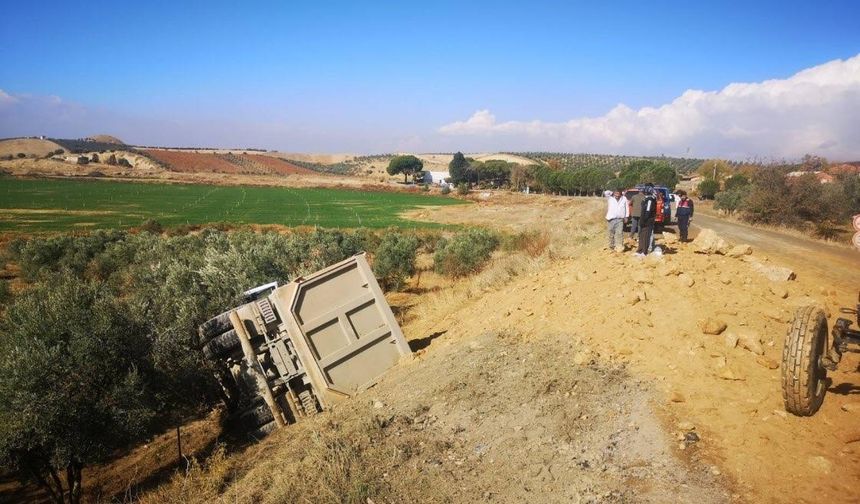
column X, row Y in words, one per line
column 385, row 76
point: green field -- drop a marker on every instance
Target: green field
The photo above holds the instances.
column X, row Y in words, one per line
column 34, row 205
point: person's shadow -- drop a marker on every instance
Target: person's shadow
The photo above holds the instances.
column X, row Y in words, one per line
column 845, row 389
column 422, row 343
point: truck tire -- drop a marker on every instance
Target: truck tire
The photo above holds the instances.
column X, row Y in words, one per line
column 222, row 345
column 309, row 402
column 256, row 417
column 215, row 326
column 262, row 431
column 804, row 379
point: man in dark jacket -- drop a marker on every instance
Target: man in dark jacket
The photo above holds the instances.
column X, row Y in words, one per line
column 646, row 221
column 684, row 212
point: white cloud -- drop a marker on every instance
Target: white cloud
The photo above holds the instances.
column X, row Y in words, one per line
column 816, row 110
column 6, row 98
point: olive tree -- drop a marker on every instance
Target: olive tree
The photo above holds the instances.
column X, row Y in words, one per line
column 73, row 375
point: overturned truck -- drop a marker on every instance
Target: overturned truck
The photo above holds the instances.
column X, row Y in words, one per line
column 291, row 351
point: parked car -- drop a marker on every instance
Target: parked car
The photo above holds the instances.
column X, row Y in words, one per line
column 666, row 203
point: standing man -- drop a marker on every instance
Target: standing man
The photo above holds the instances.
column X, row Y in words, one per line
column 646, row 220
column 635, row 213
column 616, row 212
column 684, row 214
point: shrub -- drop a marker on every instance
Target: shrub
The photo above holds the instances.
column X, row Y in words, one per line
column 425, row 187
column 465, row 253
column 730, row 201
column 462, row 188
column 394, row 260
column 531, row 242
column 708, row 188
column 94, row 159
column 152, row 226
column 82, row 160
column 124, row 162
column 112, row 160
column 736, row 181
column 21, row 155
column 446, row 189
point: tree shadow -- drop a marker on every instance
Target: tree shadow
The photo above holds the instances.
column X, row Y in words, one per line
column 422, row 343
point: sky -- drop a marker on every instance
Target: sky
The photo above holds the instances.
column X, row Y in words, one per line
column 770, row 79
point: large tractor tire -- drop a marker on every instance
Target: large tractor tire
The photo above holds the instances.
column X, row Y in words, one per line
column 255, row 417
column 215, row 326
column 222, row 345
column 804, row 379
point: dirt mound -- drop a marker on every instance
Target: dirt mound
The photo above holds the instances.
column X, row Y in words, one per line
column 32, row 147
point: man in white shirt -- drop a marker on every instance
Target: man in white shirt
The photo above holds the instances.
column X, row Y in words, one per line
column 616, row 211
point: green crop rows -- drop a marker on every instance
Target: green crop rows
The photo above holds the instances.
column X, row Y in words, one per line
column 33, row 205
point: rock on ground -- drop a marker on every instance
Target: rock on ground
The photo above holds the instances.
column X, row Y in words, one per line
column 740, row 250
column 709, row 242
column 772, row 273
column 712, row 326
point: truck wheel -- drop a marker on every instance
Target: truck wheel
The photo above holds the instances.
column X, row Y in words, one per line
column 221, row 346
column 215, row 326
column 262, row 431
column 256, row 417
column 804, row 379
column 309, row 402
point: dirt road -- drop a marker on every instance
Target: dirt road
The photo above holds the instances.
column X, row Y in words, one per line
column 837, row 265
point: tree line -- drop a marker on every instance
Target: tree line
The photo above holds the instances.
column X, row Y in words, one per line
column 769, row 195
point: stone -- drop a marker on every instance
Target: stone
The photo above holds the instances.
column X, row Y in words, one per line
column 677, row 397
column 712, row 326
column 668, row 270
column 772, row 273
column 776, row 315
column 820, row 464
column 581, row 276
column 378, row 404
column 670, row 238
column 709, row 242
column 851, row 407
column 728, row 374
column 633, row 298
column 740, row 251
column 779, row 291
column 725, row 279
column 731, row 340
column 581, row 358
column 685, row 426
column 767, row 362
column 686, row 280
column 751, row 341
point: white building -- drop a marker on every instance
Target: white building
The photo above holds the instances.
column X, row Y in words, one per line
column 435, row 177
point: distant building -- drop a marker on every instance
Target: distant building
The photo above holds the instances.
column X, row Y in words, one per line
column 822, row 177
column 844, row 169
column 435, row 177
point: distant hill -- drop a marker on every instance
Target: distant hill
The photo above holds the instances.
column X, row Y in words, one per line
column 106, row 139
column 30, row 147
